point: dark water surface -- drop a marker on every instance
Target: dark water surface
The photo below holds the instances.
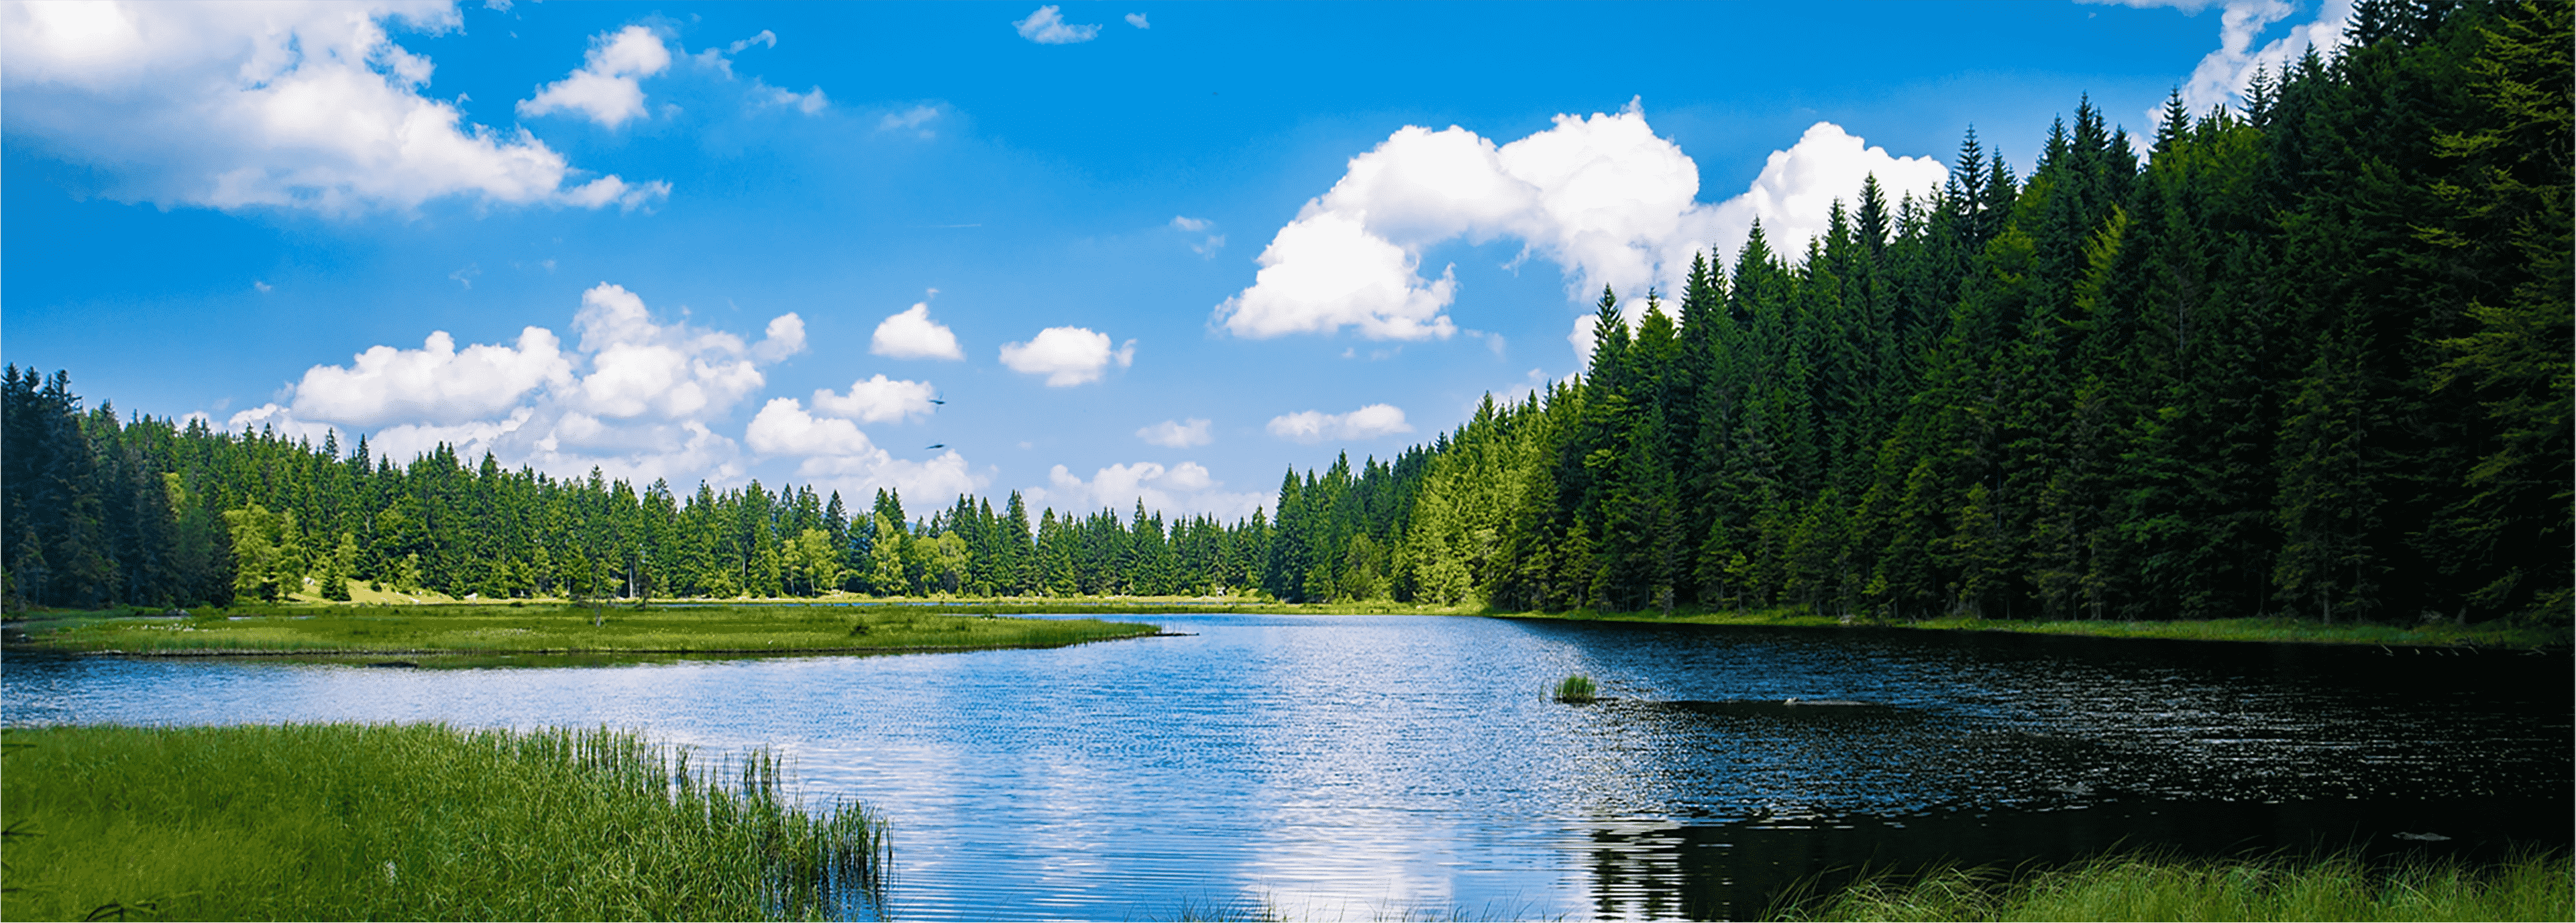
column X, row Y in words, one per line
column 1355, row 767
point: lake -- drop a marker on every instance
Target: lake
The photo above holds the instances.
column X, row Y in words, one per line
column 1366, row 766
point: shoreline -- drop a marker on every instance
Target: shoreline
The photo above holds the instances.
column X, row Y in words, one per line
column 472, row 631
column 580, row 651
column 2439, row 637
column 2443, row 639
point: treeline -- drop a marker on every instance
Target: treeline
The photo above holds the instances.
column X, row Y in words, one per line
column 2307, row 358
column 100, row 511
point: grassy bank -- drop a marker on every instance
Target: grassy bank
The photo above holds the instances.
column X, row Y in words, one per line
column 410, row 822
column 2439, row 634
column 554, row 629
column 2152, row 888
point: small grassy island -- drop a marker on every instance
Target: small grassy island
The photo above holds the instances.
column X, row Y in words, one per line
column 479, row 633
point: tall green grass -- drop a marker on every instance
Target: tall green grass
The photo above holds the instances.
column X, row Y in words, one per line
column 344, row 821
column 2340, row 887
column 1576, row 689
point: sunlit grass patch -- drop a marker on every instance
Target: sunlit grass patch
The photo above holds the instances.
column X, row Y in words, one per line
column 1576, row 689
column 342, row 821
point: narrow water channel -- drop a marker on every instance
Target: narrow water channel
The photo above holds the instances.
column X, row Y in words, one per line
column 1352, row 767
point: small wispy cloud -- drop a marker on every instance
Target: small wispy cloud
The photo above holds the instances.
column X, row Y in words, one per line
column 1206, row 247
column 1177, row 434
column 1047, row 27
column 1313, row 426
column 1138, row 20
column 910, row 120
column 808, row 102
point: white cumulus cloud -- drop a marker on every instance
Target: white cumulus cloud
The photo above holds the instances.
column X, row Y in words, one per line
column 634, row 397
column 434, row 384
column 838, row 457
column 1794, row 196
column 295, row 105
column 1067, row 356
column 1138, row 20
column 1176, row 491
column 784, row 428
column 878, row 399
column 679, row 453
column 911, row 334
column 786, row 337
column 1047, row 27
column 936, row 479
column 607, row 87
column 1176, row 434
column 675, row 371
column 1601, row 196
column 1313, row 426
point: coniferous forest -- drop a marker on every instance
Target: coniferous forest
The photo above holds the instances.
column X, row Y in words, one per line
column 2306, row 357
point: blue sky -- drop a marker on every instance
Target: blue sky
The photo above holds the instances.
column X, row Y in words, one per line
column 1159, row 249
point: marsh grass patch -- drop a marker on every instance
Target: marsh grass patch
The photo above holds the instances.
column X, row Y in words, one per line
column 426, row 821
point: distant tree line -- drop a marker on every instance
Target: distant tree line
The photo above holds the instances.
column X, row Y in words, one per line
column 2307, row 358
column 101, row 511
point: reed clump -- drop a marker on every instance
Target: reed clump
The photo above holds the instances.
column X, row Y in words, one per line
column 426, row 821
column 1576, row 689
column 2534, row 886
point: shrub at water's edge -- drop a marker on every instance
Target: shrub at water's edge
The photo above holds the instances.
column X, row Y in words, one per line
column 2340, row 887
column 486, row 629
column 345, row 821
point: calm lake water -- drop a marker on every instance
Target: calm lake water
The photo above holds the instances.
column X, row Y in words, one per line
column 1356, row 767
